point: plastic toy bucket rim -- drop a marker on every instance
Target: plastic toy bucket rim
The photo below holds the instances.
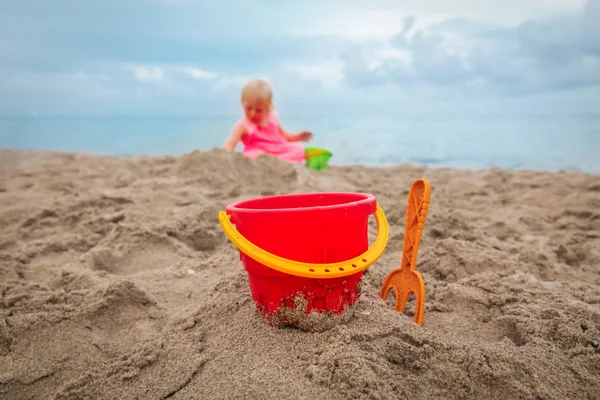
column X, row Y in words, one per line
column 309, row 270
column 263, row 211
column 313, row 152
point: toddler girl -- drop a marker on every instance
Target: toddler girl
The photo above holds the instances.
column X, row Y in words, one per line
column 259, row 129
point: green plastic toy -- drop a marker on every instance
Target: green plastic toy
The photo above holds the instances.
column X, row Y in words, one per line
column 317, row 158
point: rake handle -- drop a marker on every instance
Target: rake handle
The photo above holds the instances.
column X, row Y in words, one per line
column 418, row 204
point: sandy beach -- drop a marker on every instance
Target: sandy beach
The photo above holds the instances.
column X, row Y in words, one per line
column 117, row 282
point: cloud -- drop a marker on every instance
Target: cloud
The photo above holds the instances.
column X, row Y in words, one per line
column 198, row 73
column 148, row 74
column 328, row 73
column 379, row 19
column 591, row 27
column 533, row 57
column 85, row 57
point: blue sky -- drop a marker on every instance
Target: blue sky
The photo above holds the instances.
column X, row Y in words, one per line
column 159, row 57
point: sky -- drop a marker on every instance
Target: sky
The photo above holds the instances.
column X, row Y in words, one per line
column 342, row 57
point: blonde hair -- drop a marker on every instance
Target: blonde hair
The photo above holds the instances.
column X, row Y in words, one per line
column 259, row 90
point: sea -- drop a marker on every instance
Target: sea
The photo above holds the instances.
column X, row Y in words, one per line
column 542, row 143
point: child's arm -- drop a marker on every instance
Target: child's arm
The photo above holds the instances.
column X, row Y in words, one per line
column 234, row 137
column 303, row 136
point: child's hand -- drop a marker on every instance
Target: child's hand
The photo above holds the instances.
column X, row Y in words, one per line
column 305, row 136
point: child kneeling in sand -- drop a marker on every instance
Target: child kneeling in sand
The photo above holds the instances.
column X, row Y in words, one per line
column 259, row 129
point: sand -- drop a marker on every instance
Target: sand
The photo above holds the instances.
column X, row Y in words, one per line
column 117, row 282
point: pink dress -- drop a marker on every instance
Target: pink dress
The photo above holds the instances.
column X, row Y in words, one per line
column 269, row 140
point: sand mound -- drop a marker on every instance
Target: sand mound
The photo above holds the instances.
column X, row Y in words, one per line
column 116, row 281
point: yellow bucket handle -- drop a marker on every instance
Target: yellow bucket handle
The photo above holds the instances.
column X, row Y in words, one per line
column 315, row 153
column 307, row 270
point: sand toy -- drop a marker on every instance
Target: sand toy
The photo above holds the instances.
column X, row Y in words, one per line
column 406, row 280
column 317, row 158
column 305, row 253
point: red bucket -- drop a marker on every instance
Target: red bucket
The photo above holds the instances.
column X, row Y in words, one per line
column 313, row 228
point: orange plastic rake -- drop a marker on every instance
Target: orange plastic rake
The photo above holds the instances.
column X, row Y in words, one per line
column 406, row 280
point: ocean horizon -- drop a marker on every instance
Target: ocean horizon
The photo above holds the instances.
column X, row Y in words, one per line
column 542, row 143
